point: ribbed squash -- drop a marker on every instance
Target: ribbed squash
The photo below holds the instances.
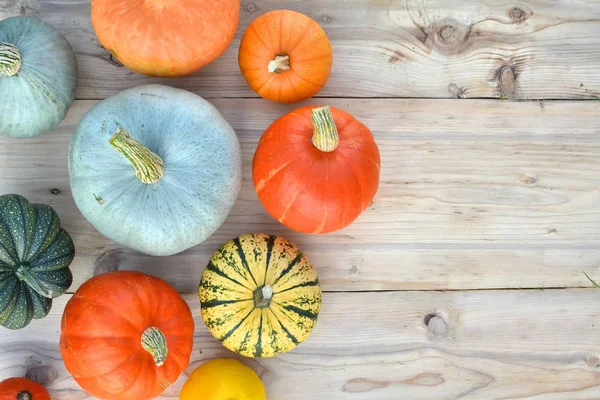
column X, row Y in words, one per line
column 22, row 389
column 259, row 295
column 35, row 254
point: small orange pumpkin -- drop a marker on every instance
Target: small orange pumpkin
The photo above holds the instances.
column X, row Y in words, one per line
column 22, row 389
column 165, row 37
column 285, row 56
column 126, row 336
column 316, row 169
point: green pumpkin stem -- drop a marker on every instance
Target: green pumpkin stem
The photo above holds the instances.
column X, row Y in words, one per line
column 155, row 343
column 263, row 296
column 149, row 167
column 23, row 272
column 279, row 64
column 10, row 59
column 325, row 136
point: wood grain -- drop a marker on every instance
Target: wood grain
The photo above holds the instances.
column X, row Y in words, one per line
column 388, row 48
column 475, row 345
column 474, row 194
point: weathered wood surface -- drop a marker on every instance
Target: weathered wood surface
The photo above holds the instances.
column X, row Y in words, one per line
column 527, row 344
column 388, row 48
column 474, row 194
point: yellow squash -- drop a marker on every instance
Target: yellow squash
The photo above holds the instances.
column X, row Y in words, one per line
column 223, row 379
column 259, row 295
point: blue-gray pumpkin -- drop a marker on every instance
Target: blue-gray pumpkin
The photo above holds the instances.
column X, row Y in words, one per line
column 38, row 77
column 155, row 168
column 35, row 254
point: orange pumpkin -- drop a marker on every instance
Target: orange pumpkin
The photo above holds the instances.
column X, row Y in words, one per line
column 126, row 336
column 22, row 389
column 316, row 169
column 285, row 56
column 165, row 37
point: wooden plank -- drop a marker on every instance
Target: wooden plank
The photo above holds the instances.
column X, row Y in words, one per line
column 475, row 345
column 388, row 48
column 474, row 194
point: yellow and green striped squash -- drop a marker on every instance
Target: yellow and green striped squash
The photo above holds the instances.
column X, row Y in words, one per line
column 259, row 295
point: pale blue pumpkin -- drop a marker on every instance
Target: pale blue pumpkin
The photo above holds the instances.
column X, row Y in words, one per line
column 38, row 77
column 155, row 168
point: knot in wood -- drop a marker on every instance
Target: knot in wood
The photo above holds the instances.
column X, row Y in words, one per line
column 55, row 191
column 448, row 34
column 435, row 324
column 507, row 79
column 251, row 8
column 107, row 262
column 326, row 18
column 44, row 375
column 593, row 361
column 517, row 14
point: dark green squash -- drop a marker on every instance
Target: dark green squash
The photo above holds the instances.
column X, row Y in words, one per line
column 35, row 254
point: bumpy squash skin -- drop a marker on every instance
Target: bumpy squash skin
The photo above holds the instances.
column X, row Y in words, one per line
column 38, row 97
column 32, row 244
column 230, row 281
column 202, row 169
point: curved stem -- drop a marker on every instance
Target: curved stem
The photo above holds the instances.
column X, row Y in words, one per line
column 155, row 343
column 23, row 272
column 263, row 296
column 325, row 136
column 149, row 167
column 279, row 64
column 10, row 59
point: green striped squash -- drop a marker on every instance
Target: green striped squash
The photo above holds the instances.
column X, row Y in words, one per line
column 35, row 254
column 259, row 295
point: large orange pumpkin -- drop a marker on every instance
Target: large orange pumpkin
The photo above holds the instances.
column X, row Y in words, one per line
column 165, row 37
column 285, row 56
column 126, row 336
column 22, row 389
column 316, row 169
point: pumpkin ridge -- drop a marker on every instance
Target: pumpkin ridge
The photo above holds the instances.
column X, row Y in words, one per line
column 53, row 259
column 304, row 284
column 14, row 251
column 270, row 244
column 258, row 351
column 32, row 253
column 294, row 46
column 287, row 332
column 235, row 328
column 287, row 208
column 242, row 255
column 261, row 40
column 24, row 221
column 260, row 185
column 215, row 303
column 291, row 265
column 303, row 313
column 358, row 182
column 213, row 268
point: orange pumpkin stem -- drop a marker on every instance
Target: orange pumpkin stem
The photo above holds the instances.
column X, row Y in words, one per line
column 155, row 343
column 279, row 64
column 325, row 136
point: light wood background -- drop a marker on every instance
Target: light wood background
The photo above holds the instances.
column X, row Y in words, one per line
column 488, row 121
